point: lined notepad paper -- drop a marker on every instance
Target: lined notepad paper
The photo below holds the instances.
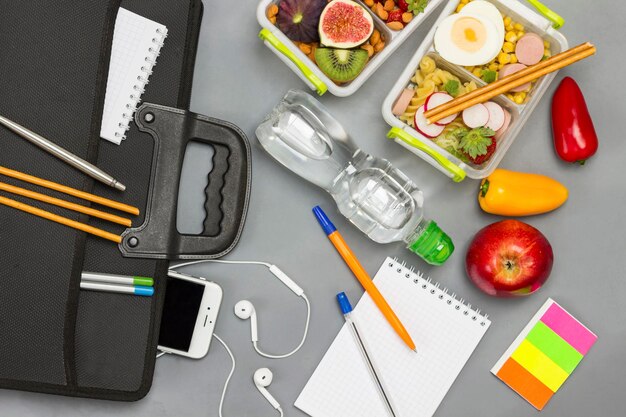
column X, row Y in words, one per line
column 137, row 42
column 445, row 330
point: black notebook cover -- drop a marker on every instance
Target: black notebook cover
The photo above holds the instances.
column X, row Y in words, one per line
column 54, row 60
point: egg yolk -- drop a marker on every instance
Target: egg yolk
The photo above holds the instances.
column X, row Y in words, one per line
column 469, row 34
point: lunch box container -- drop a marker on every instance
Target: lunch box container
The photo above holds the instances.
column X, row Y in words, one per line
column 310, row 73
column 426, row 148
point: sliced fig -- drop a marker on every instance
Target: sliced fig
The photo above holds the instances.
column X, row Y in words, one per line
column 299, row 19
column 345, row 24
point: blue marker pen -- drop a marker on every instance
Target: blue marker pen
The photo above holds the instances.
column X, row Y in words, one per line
column 346, row 309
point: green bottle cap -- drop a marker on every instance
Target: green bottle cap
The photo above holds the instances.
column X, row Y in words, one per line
column 433, row 245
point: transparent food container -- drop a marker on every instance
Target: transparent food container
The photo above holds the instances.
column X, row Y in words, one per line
column 426, row 148
column 309, row 72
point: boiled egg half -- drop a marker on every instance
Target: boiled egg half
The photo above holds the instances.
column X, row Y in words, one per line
column 467, row 39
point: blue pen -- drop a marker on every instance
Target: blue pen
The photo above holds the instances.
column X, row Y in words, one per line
column 346, row 309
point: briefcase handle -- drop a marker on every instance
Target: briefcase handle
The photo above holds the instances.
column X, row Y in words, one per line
column 227, row 193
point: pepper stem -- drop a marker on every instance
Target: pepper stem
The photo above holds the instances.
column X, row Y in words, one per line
column 484, row 187
column 582, row 162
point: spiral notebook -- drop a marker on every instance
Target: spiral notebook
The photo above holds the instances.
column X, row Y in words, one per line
column 137, row 43
column 445, row 330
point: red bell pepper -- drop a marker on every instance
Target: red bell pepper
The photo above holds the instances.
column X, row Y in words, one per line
column 575, row 138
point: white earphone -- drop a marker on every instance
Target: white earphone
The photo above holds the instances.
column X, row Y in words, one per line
column 245, row 310
column 262, row 379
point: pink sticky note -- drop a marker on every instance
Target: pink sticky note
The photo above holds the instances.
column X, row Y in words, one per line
column 570, row 329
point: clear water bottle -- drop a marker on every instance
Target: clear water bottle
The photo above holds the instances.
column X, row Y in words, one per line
column 380, row 200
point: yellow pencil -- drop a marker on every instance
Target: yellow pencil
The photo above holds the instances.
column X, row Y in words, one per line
column 65, row 204
column 59, row 219
column 69, row 191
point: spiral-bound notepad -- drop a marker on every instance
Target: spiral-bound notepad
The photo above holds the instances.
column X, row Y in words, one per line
column 137, row 42
column 445, row 330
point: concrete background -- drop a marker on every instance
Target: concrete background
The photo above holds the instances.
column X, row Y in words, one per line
column 239, row 80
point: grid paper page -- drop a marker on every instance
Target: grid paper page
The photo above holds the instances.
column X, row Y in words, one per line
column 445, row 332
column 136, row 44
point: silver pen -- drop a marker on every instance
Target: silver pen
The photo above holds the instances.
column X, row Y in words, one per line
column 63, row 154
column 346, row 309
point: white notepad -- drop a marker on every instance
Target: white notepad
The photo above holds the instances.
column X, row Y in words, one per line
column 137, row 42
column 445, row 330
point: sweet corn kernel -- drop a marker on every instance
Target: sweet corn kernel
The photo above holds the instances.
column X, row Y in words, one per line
column 546, row 44
column 510, row 96
column 504, row 58
column 477, row 72
column 518, row 99
column 460, row 7
column 507, row 21
column 501, row 66
column 508, row 47
column 470, row 69
column 509, row 27
column 513, row 59
column 464, row 1
column 519, row 27
column 493, row 67
column 511, row 36
column 520, row 34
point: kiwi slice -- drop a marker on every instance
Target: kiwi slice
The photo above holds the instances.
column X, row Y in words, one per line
column 341, row 65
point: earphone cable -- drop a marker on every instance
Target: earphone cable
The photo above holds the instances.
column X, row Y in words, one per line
column 232, row 371
column 269, row 266
column 306, row 330
column 221, row 261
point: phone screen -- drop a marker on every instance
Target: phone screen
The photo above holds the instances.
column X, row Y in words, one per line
column 180, row 312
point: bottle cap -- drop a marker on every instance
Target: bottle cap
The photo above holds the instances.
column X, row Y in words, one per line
column 433, row 245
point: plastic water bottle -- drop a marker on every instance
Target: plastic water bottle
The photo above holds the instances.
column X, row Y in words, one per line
column 380, row 200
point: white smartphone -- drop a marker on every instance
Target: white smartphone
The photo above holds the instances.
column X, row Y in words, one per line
column 189, row 314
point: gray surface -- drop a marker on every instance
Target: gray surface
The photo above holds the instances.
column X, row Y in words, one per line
column 238, row 79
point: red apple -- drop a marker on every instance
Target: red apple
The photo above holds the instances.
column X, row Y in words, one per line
column 509, row 258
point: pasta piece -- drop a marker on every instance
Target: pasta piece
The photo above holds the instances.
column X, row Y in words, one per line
column 427, row 65
column 418, row 78
column 447, row 76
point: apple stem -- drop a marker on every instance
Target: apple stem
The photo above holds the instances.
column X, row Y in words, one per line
column 484, row 187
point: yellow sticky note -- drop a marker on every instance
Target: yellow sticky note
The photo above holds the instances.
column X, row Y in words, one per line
column 539, row 365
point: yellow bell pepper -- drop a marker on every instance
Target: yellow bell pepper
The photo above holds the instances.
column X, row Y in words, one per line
column 510, row 193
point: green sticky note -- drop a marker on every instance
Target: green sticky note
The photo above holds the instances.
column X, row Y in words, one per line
column 554, row 347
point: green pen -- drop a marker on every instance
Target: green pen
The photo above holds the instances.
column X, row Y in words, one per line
column 117, row 279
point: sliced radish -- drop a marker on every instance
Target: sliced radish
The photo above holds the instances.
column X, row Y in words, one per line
column 437, row 99
column 496, row 116
column 426, row 129
column 505, row 126
column 476, row 116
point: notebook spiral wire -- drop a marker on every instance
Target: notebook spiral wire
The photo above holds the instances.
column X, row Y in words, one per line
column 139, row 88
column 442, row 294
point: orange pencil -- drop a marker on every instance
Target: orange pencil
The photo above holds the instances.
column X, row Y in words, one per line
column 362, row 275
column 65, row 204
column 59, row 219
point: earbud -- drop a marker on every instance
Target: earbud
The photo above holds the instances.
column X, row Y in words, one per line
column 245, row 310
column 262, row 379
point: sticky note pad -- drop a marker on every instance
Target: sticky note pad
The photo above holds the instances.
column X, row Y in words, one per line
column 545, row 354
